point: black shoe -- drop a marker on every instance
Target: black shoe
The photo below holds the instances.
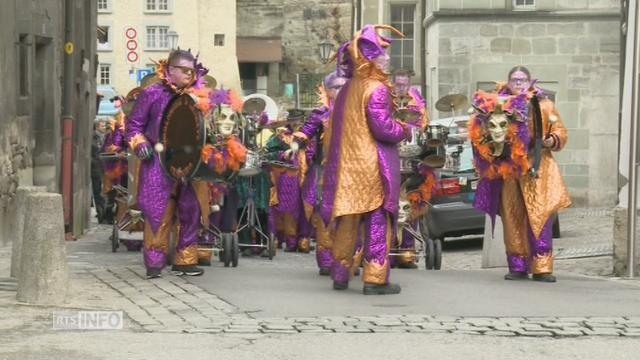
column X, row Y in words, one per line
column 356, row 272
column 516, row 276
column 153, row 273
column 407, row 266
column 324, row 271
column 340, row 286
column 543, row 278
column 189, row 270
column 388, row 289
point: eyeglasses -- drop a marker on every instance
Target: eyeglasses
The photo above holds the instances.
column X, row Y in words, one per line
column 518, row 80
column 185, row 69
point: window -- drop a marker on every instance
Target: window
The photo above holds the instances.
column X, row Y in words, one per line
column 105, row 74
column 104, row 6
column 157, row 37
column 103, row 39
column 403, row 19
column 157, row 5
column 218, row 40
column 524, row 4
column 23, row 54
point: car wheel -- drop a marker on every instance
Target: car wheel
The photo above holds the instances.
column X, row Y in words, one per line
column 437, row 254
column 429, row 254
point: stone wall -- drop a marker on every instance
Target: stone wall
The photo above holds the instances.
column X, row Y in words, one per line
column 30, row 130
column 578, row 59
column 301, row 24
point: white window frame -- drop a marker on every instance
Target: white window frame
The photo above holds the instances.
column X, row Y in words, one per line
column 153, row 6
column 524, row 7
column 415, row 37
column 156, row 43
column 110, row 73
column 105, row 10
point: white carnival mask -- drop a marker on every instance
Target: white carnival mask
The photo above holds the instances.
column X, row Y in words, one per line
column 226, row 121
column 498, row 126
column 403, row 212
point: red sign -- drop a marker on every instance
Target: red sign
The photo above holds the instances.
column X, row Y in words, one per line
column 132, row 56
column 131, row 33
column 132, row 45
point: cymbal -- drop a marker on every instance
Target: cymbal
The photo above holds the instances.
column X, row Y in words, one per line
column 254, row 105
column 451, row 102
column 406, row 115
column 210, row 81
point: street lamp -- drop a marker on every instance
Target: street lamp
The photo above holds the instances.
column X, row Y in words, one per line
column 172, row 39
column 326, row 48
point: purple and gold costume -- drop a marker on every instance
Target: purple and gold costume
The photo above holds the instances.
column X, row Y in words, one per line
column 361, row 180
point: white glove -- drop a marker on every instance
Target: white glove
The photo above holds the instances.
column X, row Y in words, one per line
column 295, row 147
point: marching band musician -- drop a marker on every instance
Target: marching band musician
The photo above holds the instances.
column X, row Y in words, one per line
column 519, row 179
column 407, row 98
column 361, row 179
column 310, row 138
column 224, row 157
column 158, row 195
column 286, row 215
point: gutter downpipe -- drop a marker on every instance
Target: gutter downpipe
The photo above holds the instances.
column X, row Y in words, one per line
column 633, row 149
column 67, row 120
column 423, row 51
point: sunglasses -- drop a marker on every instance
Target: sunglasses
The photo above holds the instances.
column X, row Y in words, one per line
column 185, row 69
column 518, row 80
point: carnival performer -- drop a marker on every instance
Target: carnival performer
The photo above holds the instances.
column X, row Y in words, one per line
column 225, row 155
column 310, row 139
column 159, row 196
column 409, row 99
column 361, row 179
column 286, row 209
column 519, row 179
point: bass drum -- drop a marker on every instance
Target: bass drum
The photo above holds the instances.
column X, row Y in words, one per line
column 182, row 137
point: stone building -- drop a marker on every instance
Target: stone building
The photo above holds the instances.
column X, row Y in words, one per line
column 571, row 46
column 134, row 34
column 31, row 98
column 278, row 39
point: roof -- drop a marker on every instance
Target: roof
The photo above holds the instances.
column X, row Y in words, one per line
column 259, row 49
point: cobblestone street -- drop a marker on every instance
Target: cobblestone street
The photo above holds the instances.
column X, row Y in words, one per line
column 175, row 306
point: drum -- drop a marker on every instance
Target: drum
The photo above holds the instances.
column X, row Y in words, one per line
column 253, row 166
column 406, row 166
column 436, row 135
column 412, row 147
column 182, row 137
column 434, row 156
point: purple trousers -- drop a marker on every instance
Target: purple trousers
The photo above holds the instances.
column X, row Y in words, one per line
column 159, row 198
column 377, row 234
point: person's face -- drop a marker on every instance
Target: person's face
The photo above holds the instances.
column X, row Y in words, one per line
column 334, row 89
column 382, row 62
column 518, row 82
column 181, row 73
column 102, row 127
column 402, row 85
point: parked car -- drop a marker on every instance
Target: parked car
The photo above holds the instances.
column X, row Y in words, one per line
column 451, row 212
column 107, row 107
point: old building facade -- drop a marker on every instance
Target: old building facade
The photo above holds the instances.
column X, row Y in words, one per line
column 134, row 35
column 31, row 98
column 282, row 37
